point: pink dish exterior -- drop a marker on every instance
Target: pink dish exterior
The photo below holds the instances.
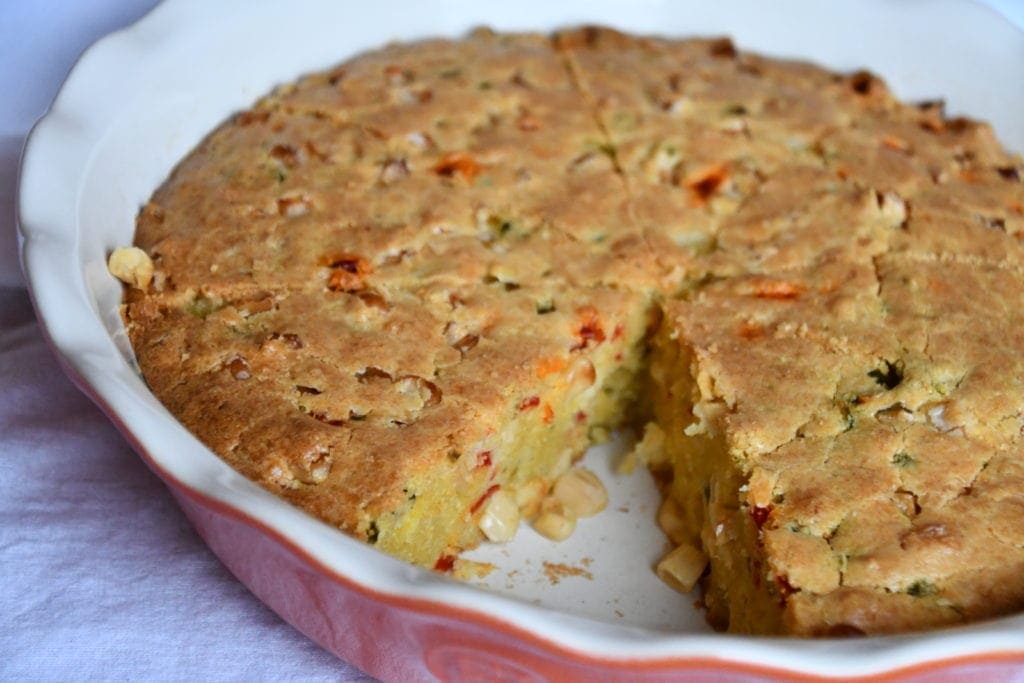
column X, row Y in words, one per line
column 437, row 641
column 82, row 180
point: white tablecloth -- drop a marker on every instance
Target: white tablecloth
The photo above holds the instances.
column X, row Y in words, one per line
column 100, row 576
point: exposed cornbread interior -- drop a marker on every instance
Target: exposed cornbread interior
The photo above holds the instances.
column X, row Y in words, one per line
column 432, row 275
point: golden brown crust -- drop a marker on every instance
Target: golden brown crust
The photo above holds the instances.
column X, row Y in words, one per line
column 359, row 279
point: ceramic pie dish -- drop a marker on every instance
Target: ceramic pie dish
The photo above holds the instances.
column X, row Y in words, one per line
column 139, row 100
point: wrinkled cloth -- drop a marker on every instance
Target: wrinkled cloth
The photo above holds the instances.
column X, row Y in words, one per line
column 103, row 578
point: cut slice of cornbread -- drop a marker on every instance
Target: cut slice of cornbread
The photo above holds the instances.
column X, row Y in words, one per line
column 832, row 450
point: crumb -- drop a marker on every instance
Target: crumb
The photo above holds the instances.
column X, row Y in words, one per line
column 469, row 569
column 556, row 572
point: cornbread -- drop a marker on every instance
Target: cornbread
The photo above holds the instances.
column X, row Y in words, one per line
column 407, row 293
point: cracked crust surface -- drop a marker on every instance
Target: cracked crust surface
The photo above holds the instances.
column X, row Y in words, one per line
column 371, row 269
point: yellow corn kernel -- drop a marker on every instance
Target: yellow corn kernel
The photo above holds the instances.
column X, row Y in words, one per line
column 670, row 519
column 554, row 522
column 562, row 464
column 529, row 497
column 582, row 374
column 650, row 450
column 682, row 567
column 500, row 518
column 581, row 492
column 132, row 266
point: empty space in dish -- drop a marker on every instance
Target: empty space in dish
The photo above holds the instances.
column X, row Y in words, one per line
column 605, row 570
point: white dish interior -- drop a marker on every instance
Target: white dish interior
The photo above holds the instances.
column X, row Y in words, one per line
column 137, row 102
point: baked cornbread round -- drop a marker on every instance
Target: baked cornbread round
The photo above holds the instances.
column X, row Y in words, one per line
column 407, row 293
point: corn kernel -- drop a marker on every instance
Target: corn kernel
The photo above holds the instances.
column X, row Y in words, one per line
column 893, row 207
column 682, row 568
column 554, row 522
column 132, row 266
column 500, row 518
column 581, row 492
column 562, row 464
column 529, row 496
column 582, row 374
column 670, row 519
column 650, row 450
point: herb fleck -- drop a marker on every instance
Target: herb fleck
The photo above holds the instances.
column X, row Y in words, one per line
column 922, row 588
column 902, row 459
column 500, row 226
column 889, row 378
column 202, row 306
